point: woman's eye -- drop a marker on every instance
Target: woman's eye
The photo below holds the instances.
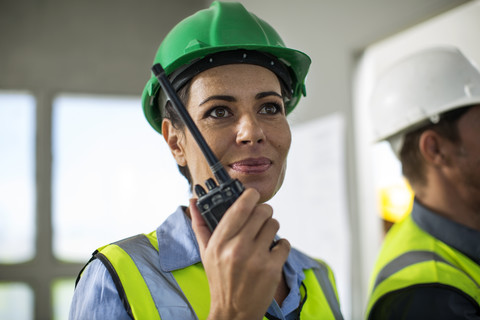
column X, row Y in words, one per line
column 271, row 108
column 219, row 113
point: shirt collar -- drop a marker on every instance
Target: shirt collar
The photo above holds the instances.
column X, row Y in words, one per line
column 177, row 244
column 178, row 247
column 458, row 236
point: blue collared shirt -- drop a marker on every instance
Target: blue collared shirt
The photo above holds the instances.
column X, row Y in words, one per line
column 96, row 297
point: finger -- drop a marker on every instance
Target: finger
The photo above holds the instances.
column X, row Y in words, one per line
column 200, row 228
column 267, row 233
column 280, row 251
column 262, row 213
column 238, row 214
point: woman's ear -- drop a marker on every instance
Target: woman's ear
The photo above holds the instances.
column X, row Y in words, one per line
column 431, row 146
column 174, row 138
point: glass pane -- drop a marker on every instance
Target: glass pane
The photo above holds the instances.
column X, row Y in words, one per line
column 113, row 175
column 62, row 297
column 16, row 301
column 17, row 198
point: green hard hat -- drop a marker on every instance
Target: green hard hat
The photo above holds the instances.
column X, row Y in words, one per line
column 224, row 27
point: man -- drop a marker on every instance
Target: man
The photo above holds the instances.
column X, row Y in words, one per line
column 428, row 108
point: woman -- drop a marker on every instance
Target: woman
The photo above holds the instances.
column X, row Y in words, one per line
column 238, row 82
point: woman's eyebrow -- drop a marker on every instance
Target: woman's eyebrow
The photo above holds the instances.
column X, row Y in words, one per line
column 266, row 94
column 219, row 97
column 232, row 99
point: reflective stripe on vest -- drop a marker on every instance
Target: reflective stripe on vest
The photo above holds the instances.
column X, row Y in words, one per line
column 416, row 263
column 410, row 258
column 188, row 295
column 321, row 275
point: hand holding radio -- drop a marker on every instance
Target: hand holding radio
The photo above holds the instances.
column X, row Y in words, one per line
column 236, row 258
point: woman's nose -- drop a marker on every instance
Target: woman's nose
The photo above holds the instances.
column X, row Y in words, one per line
column 250, row 131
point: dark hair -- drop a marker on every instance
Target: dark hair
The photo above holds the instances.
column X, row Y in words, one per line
column 168, row 112
column 410, row 156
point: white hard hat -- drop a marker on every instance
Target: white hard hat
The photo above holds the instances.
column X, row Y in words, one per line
column 420, row 88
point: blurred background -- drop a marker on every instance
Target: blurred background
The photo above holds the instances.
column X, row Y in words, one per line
column 80, row 167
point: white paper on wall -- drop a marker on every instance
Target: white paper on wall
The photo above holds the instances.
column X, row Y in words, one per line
column 312, row 203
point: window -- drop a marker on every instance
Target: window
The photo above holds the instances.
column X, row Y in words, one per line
column 17, row 197
column 113, row 175
column 17, row 200
column 16, row 301
column 110, row 174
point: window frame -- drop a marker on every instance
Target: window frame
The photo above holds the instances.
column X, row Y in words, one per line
column 40, row 272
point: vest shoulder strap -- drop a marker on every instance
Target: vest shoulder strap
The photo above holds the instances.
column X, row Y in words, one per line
column 324, row 277
column 140, row 283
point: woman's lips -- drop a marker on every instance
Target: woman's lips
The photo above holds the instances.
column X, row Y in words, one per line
column 252, row 165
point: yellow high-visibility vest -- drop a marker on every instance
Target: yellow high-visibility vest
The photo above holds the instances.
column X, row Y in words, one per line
column 148, row 292
column 410, row 256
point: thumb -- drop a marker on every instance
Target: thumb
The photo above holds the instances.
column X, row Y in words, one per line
column 200, row 228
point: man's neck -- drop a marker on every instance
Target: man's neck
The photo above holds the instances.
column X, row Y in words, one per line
column 450, row 202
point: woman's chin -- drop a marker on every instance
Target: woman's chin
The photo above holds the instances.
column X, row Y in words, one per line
column 266, row 193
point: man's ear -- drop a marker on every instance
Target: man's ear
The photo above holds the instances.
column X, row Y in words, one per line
column 432, row 148
column 174, row 138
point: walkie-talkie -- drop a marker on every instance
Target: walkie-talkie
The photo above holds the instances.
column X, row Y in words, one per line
column 219, row 198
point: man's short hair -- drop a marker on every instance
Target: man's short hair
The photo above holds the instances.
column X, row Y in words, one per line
column 413, row 165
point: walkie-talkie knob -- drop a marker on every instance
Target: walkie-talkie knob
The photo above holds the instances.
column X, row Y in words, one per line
column 199, row 190
column 210, row 183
